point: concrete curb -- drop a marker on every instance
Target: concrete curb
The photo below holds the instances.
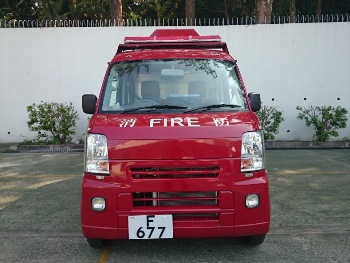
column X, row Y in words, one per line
column 269, row 145
column 45, row 148
column 300, row 145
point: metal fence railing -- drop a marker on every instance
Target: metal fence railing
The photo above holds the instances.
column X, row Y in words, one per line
column 173, row 22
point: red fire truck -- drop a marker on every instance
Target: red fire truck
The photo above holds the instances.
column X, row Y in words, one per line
column 173, row 147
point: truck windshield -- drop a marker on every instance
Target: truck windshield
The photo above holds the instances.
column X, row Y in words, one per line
column 172, row 85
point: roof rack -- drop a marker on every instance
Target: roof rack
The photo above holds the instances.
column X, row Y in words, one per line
column 173, row 39
column 172, row 45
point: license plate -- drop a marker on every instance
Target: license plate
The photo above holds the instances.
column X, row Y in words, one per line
column 150, row 226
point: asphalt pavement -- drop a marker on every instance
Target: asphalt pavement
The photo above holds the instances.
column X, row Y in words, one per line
column 309, row 189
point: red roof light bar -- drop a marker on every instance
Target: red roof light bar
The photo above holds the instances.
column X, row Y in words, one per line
column 173, row 35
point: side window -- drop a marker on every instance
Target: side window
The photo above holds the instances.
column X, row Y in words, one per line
column 110, row 101
column 236, row 94
column 113, row 98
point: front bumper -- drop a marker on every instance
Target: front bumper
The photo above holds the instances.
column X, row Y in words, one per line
column 201, row 207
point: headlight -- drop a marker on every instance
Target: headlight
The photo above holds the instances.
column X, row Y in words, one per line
column 96, row 159
column 252, row 153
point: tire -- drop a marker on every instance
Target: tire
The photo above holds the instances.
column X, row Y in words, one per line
column 97, row 243
column 255, row 240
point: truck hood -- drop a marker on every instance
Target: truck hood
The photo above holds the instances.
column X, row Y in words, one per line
column 167, row 136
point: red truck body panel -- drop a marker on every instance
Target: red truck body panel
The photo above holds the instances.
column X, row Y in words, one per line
column 184, row 164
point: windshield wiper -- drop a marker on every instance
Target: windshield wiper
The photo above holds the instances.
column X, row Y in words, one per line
column 154, row 107
column 212, row 106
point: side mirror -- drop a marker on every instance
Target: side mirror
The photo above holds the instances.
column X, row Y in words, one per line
column 89, row 103
column 255, row 101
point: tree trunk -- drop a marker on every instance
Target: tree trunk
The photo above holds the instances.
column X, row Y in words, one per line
column 318, row 8
column 263, row 10
column 190, row 12
column 116, row 11
column 225, row 9
column 292, row 10
column 74, row 4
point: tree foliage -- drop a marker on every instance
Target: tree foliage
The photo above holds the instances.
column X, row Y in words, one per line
column 270, row 120
column 302, row 7
column 151, row 9
column 54, row 122
column 160, row 9
column 326, row 120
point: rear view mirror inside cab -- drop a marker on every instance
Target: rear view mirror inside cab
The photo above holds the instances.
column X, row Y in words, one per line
column 168, row 73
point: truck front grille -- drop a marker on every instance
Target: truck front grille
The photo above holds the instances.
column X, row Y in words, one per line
column 175, row 199
column 174, row 172
column 195, row 216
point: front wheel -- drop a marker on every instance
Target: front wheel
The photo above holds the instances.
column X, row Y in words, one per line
column 97, row 243
column 255, row 240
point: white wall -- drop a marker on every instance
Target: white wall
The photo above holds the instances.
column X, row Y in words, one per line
column 285, row 63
